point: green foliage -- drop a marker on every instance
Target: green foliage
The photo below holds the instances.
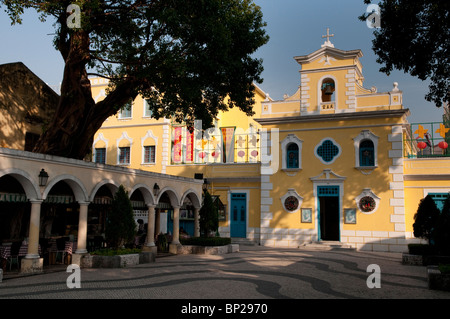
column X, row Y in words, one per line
column 120, row 225
column 444, row 268
column 209, row 216
column 209, row 241
column 414, row 38
column 425, row 219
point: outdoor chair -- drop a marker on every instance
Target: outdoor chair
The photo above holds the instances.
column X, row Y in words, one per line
column 14, row 257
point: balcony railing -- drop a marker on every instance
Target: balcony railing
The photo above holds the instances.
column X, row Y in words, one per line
column 427, row 140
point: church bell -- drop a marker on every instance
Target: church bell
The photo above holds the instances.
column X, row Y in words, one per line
column 329, row 90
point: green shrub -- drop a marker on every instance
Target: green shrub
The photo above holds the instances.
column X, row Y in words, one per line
column 209, row 216
column 444, row 268
column 120, row 225
column 425, row 219
column 206, row 241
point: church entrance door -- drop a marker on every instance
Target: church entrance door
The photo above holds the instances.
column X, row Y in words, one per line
column 329, row 213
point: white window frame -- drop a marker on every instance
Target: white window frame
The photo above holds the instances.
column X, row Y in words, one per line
column 366, row 135
column 291, row 138
column 121, row 117
column 130, row 140
column 149, row 134
column 145, row 110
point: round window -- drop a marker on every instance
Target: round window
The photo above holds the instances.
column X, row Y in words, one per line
column 367, row 204
column 291, row 203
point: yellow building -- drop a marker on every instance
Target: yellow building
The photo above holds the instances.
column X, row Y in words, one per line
column 27, row 105
column 334, row 162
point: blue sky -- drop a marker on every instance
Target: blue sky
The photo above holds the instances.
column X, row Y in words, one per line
column 295, row 28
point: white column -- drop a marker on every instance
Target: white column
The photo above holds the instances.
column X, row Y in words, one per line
column 196, row 222
column 151, row 226
column 82, row 229
column 33, row 241
column 176, row 225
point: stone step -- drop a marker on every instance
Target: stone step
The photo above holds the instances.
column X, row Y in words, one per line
column 327, row 245
column 244, row 241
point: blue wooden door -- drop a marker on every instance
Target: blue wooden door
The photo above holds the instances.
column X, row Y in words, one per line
column 238, row 218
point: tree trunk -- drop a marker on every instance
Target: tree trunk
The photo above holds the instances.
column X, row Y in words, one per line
column 77, row 117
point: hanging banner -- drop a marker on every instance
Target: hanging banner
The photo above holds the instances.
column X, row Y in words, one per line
column 189, row 145
column 177, row 145
column 228, row 144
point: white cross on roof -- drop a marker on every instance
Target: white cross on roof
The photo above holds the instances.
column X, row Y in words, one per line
column 328, row 36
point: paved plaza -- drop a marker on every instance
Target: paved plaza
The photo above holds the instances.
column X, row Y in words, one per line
column 252, row 273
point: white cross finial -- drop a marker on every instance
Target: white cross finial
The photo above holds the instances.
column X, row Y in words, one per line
column 328, row 36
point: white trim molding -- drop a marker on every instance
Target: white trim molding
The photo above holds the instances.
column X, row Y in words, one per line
column 334, row 143
column 291, row 138
column 149, row 134
column 366, row 135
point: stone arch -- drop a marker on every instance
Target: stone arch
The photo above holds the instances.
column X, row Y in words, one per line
column 193, row 196
column 29, row 185
column 112, row 186
column 78, row 189
column 147, row 193
column 173, row 196
column 323, row 80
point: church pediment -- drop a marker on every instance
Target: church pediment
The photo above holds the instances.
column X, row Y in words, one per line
column 328, row 175
column 328, row 55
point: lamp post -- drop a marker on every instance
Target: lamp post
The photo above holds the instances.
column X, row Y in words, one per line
column 43, row 177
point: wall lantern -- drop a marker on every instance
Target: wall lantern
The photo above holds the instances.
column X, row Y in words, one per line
column 43, row 177
column 156, row 190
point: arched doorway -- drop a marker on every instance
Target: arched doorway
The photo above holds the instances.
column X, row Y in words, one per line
column 98, row 210
column 59, row 213
column 14, row 210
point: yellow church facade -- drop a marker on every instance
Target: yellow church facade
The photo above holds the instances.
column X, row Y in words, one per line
column 335, row 162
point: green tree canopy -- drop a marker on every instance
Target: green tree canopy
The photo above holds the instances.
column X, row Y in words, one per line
column 186, row 57
column 415, row 38
column 425, row 219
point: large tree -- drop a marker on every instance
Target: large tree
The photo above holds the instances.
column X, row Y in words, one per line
column 188, row 58
column 414, row 37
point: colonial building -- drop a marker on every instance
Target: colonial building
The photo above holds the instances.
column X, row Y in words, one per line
column 336, row 161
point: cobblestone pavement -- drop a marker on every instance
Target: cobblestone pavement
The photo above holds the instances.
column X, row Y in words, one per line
column 252, row 273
